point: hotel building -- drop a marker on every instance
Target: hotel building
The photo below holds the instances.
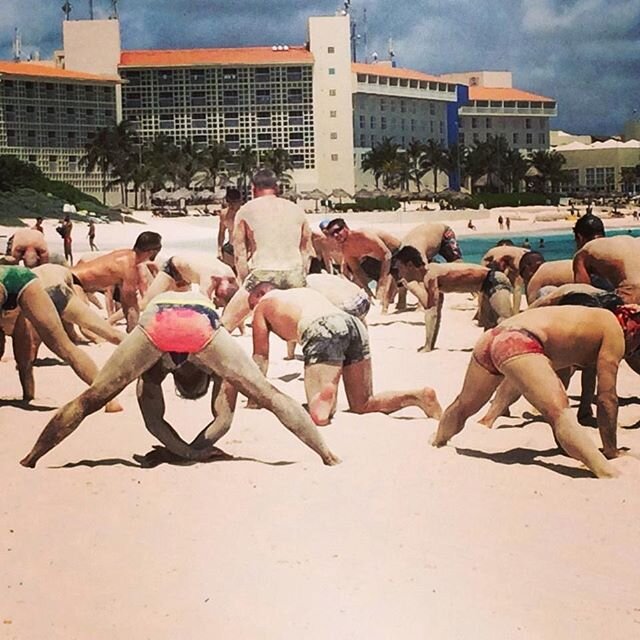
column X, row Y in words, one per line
column 310, row 100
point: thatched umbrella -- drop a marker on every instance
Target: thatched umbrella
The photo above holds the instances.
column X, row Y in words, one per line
column 292, row 195
column 378, row 193
column 205, row 196
column 488, row 180
column 159, row 196
column 362, row 193
column 316, row 195
column 340, row 193
column 424, row 194
column 180, row 194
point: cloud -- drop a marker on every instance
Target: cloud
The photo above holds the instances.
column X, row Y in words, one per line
column 584, row 53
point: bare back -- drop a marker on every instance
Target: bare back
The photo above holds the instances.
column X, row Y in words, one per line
column 53, row 274
column 615, row 259
column 363, row 243
column 554, row 274
column 111, row 269
column 457, row 277
column 199, row 268
column 426, row 238
column 274, row 232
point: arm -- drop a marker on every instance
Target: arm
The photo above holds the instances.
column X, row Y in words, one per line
column 306, row 246
column 609, row 356
column 260, row 330
column 129, row 298
column 221, row 233
column 240, row 249
column 358, row 274
column 223, row 404
column 580, row 272
column 151, row 402
column 384, row 281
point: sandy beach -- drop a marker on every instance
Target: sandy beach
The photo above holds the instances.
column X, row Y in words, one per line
column 496, row 536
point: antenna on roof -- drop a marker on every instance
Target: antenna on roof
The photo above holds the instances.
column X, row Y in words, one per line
column 17, row 45
column 114, row 10
column 365, row 36
column 66, row 9
column 91, row 9
column 392, row 55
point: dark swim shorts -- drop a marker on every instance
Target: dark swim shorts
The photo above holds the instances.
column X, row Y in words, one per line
column 335, row 339
column 494, row 282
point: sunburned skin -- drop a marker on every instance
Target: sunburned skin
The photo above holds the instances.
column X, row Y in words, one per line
column 426, row 238
column 457, row 277
column 327, row 250
column 506, row 259
column 616, row 259
column 554, row 273
column 30, row 246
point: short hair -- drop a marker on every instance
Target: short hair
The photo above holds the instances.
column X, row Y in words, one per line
column 147, row 241
column 191, row 382
column 260, row 290
column 505, row 242
column 409, row 255
column 264, row 179
column 528, row 259
column 589, row 226
column 340, row 223
column 233, row 195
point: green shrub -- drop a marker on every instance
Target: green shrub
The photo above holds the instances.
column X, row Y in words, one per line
column 383, row 203
column 493, row 200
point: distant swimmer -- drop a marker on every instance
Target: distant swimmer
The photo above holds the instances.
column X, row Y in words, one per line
column 271, row 241
column 120, row 269
column 432, row 239
column 30, row 247
column 20, row 288
column 610, row 263
column 428, row 282
column 367, row 255
column 335, row 344
column 226, row 222
column 181, row 331
column 528, row 349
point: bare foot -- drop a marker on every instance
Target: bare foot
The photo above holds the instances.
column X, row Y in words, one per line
column 321, row 405
column 429, row 403
column 487, row 421
column 331, row 460
column 425, row 349
column 27, row 462
column 113, row 406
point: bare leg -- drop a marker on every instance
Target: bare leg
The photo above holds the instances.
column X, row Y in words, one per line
column 80, row 314
column 432, row 321
column 585, row 412
column 38, row 308
column 25, row 350
column 291, row 350
column 224, row 357
column 477, row 388
column 541, row 386
column 237, row 310
column 130, row 360
column 502, row 304
column 321, row 387
column 506, row 395
column 401, row 305
column 359, row 389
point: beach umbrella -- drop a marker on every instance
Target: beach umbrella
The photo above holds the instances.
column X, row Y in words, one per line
column 340, row 193
column 488, row 180
column 316, row 195
column 362, row 193
column 206, row 196
column 532, row 172
column 160, row 196
column 424, row 194
column 378, row 193
column 292, row 195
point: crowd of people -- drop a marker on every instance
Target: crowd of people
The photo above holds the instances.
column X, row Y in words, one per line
column 314, row 288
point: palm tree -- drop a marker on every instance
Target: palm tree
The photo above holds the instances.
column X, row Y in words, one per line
column 279, row 161
column 245, row 161
column 549, row 164
column 514, row 168
column 187, row 163
column 379, row 160
column 630, row 177
column 415, row 151
column 487, row 160
column 159, row 156
column 435, row 160
column 99, row 154
column 214, row 160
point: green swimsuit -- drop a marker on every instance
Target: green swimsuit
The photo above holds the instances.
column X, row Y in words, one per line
column 13, row 281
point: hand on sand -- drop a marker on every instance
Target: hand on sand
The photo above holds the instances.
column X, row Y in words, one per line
column 615, row 453
column 434, row 442
column 113, row 407
column 252, row 404
column 28, row 462
column 330, row 459
column 161, row 455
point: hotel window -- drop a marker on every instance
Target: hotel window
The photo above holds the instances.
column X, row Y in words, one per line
column 334, row 157
column 383, row 122
column 232, row 140
column 333, row 114
column 31, row 137
column 474, row 123
column 461, row 137
column 196, row 76
column 515, row 138
column 413, row 125
column 362, row 121
column 73, row 163
column 51, row 135
column 432, row 109
column 476, row 137
column 165, row 77
column 402, row 124
column 30, row 89
column 331, row 49
column 53, row 164
column 529, row 138
column 9, row 113
column 12, row 140
column 229, row 75
column 297, row 161
column 132, row 100
column 383, row 104
column 334, row 135
column 441, row 127
column 362, row 140
column 71, row 137
column 403, row 108
column 431, row 126
column 166, row 121
column 165, row 99
column 229, row 97
column 296, row 139
column 263, row 118
column 294, row 74
column 199, row 121
column 373, row 141
column 296, row 118
column 263, row 74
column 294, row 96
column 487, row 123
column 372, row 122
column 231, row 119
column 200, row 139
column 542, row 138
column 198, row 99
column 263, row 96
column 332, row 92
column 527, row 123
column 332, row 71
column 264, row 140
column 33, row 159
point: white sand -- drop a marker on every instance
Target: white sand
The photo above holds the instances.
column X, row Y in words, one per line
column 495, row 536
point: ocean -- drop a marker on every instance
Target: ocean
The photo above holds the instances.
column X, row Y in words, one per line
column 558, row 245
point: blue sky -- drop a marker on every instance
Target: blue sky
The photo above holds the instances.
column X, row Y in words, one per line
column 584, row 53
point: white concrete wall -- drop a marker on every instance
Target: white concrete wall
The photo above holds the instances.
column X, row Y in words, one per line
column 330, row 45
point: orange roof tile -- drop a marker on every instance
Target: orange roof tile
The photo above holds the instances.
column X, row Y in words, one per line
column 504, row 93
column 393, row 72
column 44, row 71
column 201, row 57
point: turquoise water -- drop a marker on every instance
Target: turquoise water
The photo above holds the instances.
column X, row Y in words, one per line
column 558, row 245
